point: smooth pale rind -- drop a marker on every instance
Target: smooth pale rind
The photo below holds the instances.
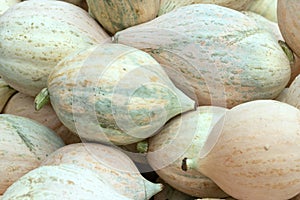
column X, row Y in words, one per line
column 114, row 93
column 182, row 137
column 265, row 8
column 257, row 153
column 228, row 61
column 169, row 5
column 24, row 143
column 6, row 4
column 293, row 93
column 66, row 182
column 36, row 35
column 110, row 164
column 23, row 105
column 5, row 93
column 288, row 20
column 116, row 15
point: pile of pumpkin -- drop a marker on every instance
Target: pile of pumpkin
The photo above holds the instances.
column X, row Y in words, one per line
column 150, row 99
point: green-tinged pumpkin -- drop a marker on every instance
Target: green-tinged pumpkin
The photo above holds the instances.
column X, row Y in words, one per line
column 180, row 138
column 111, row 164
column 289, row 23
column 116, row 15
column 24, row 143
column 169, row 5
column 23, row 105
column 66, row 182
column 5, row 93
column 265, row 8
column 228, row 61
column 114, row 93
column 6, row 4
column 36, row 35
column 253, row 151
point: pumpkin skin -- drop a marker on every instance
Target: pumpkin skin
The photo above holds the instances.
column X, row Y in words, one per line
column 288, row 20
column 292, row 96
column 223, row 63
column 179, row 139
column 6, row 4
column 265, row 8
column 169, row 5
column 113, row 93
column 24, row 143
column 67, row 182
column 116, row 15
column 5, row 93
column 251, row 154
column 23, row 105
column 36, row 35
column 110, row 164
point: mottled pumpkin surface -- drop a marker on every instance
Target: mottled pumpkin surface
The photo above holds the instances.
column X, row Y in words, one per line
column 114, row 93
column 36, row 35
column 215, row 55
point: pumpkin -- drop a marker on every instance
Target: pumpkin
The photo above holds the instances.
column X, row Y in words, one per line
column 5, row 93
column 66, row 182
column 293, row 93
column 289, row 23
column 269, row 26
column 116, row 15
column 283, row 95
column 80, row 3
column 24, row 143
column 110, row 164
column 265, row 8
column 179, row 139
column 23, row 105
column 112, row 93
column 170, row 193
column 228, row 61
column 169, row 5
column 36, row 35
column 251, row 154
column 6, row 4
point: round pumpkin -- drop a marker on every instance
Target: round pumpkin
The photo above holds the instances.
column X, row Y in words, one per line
column 36, row 35
column 23, row 105
column 289, row 23
column 24, row 144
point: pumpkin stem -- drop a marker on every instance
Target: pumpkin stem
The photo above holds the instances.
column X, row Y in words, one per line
column 287, row 50
column 41, row 99
column 188, row 164
column 142, row 147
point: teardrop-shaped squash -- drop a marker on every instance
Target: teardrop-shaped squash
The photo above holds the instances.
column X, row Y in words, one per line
column 23, row 105
column 111, row 164
column 66, row 182
column 179, row 139
column 24, row 143
column 114, row 93
column 228, row 61
column 36, row 35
